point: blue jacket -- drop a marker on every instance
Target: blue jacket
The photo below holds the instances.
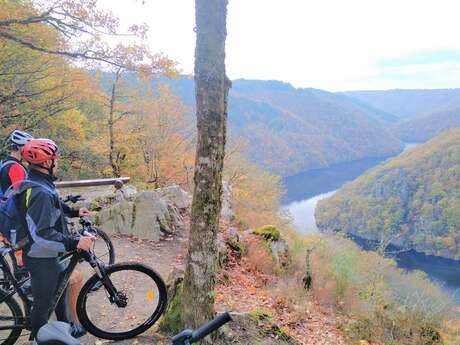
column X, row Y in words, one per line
column 43, row 217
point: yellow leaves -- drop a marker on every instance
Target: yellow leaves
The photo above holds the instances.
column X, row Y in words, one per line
column 451, row 332
column 256, row 193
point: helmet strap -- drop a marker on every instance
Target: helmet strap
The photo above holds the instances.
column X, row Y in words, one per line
column 48, row 169
column 51, row 171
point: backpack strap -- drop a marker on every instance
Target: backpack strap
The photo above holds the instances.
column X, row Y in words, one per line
column 7, row 163
column 10, row 162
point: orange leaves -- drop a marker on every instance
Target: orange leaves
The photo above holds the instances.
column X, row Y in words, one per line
column 256, row 193
column 247, row 289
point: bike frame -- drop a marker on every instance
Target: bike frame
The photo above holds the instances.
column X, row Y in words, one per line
column 75, row 257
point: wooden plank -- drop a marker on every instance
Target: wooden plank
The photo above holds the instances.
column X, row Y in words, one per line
column 91, row 183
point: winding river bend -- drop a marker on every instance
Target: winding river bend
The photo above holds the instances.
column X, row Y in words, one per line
column 304, row 190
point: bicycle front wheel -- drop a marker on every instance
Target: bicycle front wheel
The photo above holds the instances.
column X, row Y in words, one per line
column 140, row 288
column 103, row 248
column 11, row 320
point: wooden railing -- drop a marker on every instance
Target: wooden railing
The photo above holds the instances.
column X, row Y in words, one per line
column 117, row 182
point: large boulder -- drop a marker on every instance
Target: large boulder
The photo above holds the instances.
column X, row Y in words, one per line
column 150, row 214
column 146, row 217
column 277, row 246
column 280, row 251
column 100, row 197
column 116, row 219
column 177, row 196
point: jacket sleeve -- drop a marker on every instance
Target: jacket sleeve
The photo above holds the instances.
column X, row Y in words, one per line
column 69, row 211
column 41, row 217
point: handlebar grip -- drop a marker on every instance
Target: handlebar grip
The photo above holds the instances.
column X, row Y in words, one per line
column 210, row 327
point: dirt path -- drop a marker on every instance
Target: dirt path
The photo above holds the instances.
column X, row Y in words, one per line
column 162, row 256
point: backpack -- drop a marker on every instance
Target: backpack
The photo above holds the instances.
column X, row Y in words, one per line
column 4, row 165
column 11, row 222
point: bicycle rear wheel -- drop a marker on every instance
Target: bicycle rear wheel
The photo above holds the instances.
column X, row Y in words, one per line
column 11, row 320
column 103, row 248
column 144, row 295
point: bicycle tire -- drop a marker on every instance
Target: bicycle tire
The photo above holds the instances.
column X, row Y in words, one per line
column 108, row 242
column 88, row 289
column 17, row 317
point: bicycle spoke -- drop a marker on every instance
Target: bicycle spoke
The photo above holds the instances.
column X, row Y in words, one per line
column 6, row 318
column 26, row 334
column 136, row 302
column 11, row 320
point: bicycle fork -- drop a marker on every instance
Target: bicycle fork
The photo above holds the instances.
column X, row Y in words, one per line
column 117, row 297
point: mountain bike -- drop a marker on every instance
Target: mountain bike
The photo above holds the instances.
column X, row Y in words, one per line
column 118, row 302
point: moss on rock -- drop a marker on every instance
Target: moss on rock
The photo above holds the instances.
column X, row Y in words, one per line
column 236, row 245
column 171, row 320
column 269, row 232
column 260, row 314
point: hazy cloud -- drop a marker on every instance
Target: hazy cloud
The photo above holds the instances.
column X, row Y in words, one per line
column 426, row 57
column 327, row 44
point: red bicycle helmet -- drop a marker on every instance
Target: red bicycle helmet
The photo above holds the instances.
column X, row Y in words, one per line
column 38, row 151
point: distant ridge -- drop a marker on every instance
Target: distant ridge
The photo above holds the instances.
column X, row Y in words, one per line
column 291, row 130
column 424, row 127
column 406, row 103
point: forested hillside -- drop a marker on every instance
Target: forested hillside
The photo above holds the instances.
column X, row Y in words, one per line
column 412, row 201
column 424, row 127
column 408, row 103
column 290, row 130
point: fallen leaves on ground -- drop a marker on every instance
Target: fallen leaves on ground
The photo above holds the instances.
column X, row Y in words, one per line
column 245, row 289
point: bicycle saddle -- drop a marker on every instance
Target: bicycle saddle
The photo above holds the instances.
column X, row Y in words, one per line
column 56, row 333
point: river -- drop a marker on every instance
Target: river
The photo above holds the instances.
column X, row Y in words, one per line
column 304, row 190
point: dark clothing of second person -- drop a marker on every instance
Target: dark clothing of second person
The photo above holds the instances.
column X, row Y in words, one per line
column 45, row 273
column 43, row 217
column 12, row 173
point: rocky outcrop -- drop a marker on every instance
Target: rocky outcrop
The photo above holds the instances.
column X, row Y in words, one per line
column 177, row 196
column 227, row 214
column 280, row 251
column 277, row 246
column 145, row 215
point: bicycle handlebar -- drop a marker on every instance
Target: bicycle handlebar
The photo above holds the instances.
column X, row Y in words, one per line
column 211, row 326
column 189, row 336
column 73, row 198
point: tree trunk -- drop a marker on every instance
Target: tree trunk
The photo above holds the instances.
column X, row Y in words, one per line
column 211, row 91
column 112, row 161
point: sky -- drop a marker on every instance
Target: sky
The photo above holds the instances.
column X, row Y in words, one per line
column 335, row 45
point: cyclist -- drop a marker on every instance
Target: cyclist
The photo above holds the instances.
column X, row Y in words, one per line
column 12, row 170
column 46, row 232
